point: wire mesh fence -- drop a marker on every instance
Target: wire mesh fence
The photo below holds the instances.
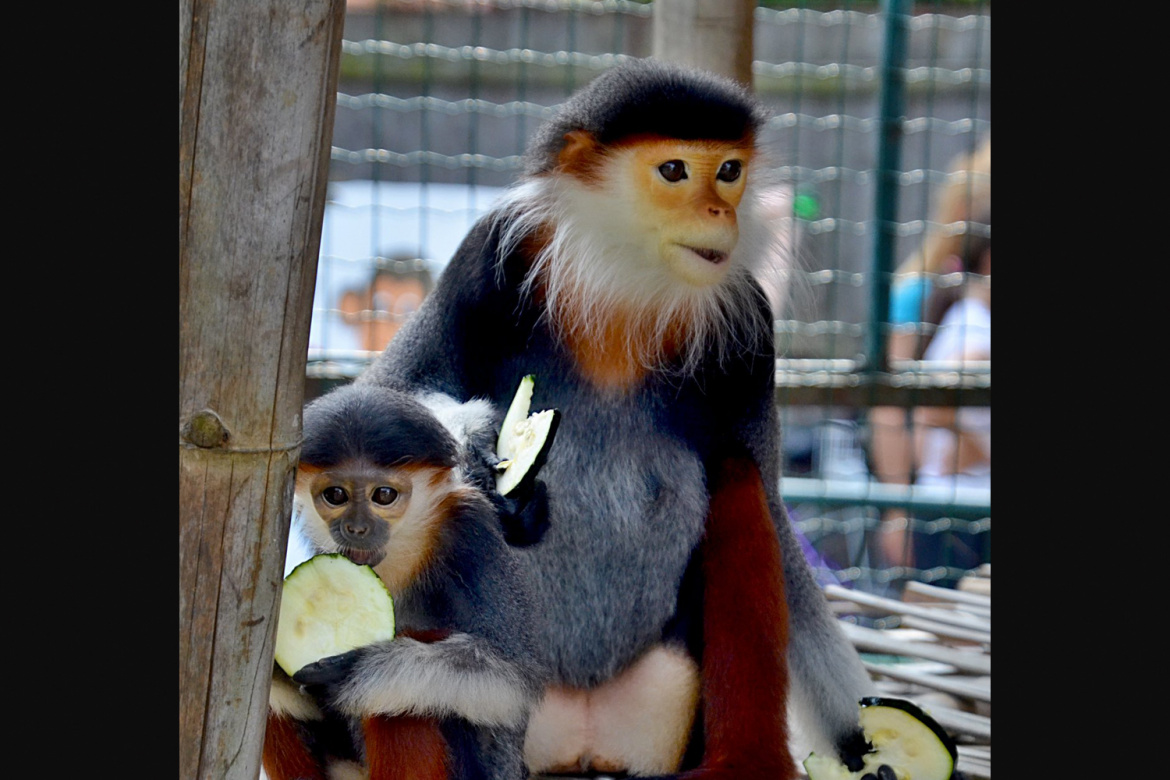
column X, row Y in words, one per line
column 879, row 145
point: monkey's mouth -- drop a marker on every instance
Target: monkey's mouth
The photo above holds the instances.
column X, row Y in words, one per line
column 364, row 557
column 713, row 256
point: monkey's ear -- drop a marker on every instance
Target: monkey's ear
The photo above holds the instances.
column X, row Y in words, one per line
column 579, row 153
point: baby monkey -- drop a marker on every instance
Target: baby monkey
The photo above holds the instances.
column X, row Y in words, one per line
column 405, row 484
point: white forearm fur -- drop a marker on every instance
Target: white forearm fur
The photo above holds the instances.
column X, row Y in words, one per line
column 458, row 676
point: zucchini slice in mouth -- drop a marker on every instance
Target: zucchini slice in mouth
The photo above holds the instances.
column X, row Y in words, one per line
column 905, row 739
column 524, row 440
column 329, row 606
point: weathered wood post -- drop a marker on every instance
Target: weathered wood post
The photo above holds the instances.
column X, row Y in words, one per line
column 715, row 35
column 257, row 92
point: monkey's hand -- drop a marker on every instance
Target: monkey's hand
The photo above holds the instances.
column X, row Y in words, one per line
column 460, row 675
column 524, row 512
column 524, row 516
column 327, row 672
column 852, row 748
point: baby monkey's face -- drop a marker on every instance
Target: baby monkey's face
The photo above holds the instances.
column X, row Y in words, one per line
column 358, row 504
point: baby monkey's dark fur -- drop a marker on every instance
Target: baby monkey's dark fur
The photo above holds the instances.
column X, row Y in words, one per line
column 385, row 481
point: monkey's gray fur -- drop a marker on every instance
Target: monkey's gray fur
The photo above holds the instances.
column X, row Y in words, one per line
column 626, row 480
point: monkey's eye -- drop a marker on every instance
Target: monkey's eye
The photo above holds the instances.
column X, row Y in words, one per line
column 673, row 170
column 334, row 495
column 729, row 171
column 384, row 496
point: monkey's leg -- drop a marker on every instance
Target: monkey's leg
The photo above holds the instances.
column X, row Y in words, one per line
column 286, row 756
column 404, row 747
column 639, row 721
column 745, row 634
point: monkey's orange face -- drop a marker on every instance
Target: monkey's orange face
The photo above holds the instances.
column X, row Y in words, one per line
column 688, row 193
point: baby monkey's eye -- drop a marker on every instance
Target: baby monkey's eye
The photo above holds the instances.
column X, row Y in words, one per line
column 729, row 171
column 334, row 496
column 673, row 170
column 384, row 496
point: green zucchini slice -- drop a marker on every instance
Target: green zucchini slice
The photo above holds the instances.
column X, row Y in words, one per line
column 330, row 605
column 904, row 738
column 524, row 439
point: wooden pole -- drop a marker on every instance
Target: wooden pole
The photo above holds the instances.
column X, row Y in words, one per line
column 257, row 93
column 715, row 35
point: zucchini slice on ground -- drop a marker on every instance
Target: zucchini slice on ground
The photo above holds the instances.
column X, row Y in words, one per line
column 330, row 606
column 524, row 439
column 904, row 738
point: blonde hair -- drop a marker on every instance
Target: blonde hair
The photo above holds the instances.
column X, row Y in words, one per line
column 966, row 196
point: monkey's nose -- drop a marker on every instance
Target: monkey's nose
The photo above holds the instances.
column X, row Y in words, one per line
column 364, row 532
column 721, row 209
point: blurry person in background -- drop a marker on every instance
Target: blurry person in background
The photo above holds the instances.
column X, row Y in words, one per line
column 966, row 195
column 946, row 286
column 394, row 293
column 955, row 445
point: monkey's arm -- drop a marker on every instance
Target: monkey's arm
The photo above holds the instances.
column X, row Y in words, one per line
column 452, row 351
column 476, row 333
column 456, row 337
column 826, row 674
column 828, row 679
column 461, row 676
column 475, row 424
